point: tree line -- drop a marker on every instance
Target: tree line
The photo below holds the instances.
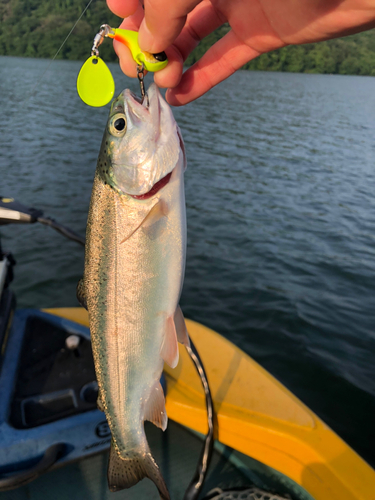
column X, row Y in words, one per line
column 36, row 28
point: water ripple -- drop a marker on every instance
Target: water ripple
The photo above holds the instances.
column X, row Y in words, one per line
column 281, row 220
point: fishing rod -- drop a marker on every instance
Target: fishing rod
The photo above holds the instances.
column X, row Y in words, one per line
column 12, row 211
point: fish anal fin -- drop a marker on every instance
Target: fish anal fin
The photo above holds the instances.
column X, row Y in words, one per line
column 181, row 330
column 126, row 472
column 81, row 293
column 157, row 212
column 169, row 349
column 155, row 407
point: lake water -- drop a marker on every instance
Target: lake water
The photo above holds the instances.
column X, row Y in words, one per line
column 281, row 218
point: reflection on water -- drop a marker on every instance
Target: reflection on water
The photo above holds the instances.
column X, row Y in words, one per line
column 281, row 218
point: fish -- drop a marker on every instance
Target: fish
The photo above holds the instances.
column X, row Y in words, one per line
column 133, row 274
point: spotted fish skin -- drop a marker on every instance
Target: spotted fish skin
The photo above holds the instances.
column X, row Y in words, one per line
column 134, row 267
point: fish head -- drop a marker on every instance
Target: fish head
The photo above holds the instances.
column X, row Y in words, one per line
column 141, row 144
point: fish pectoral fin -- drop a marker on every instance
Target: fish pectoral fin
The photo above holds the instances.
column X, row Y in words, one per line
column 128, row 471
column 158, row 211
column 180, row 325
column 169, row 348
column 81, row 293
column 155, row 407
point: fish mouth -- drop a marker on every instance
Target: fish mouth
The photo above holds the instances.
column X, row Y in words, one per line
column 143, row 101
column 146, row 154
column 136, row 102
column 151, row 103
column 155, row 188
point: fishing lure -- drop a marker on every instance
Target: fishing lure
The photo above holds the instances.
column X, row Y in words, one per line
column 95, row 84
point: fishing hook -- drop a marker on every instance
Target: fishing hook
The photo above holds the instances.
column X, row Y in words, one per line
column 140, row 76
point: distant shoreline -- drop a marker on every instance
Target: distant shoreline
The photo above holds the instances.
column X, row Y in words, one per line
column 266, row 70
column 37, row 30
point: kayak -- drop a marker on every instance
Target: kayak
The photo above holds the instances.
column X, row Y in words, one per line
column 259, row 417
column 54, row 441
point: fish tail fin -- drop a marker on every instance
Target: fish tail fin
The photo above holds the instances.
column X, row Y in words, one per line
column 126, row 472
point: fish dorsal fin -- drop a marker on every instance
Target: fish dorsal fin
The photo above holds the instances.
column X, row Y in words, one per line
column 169, row 349
column 155, row 407
column 181, row 330
column 159, row 210
column 81, row 293
column 99, row 401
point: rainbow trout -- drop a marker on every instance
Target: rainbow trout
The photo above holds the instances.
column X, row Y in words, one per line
column 134, row 267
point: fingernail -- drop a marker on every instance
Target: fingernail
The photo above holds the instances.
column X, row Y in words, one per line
column 145, row 38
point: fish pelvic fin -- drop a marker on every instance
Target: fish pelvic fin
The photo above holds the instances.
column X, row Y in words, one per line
column 181, row 330
column 169, row 348
column 81, row 293
column 126, row 472
column 175, row 331
column 155, row 407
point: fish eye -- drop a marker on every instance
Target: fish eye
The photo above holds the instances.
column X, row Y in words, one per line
column 117, row 125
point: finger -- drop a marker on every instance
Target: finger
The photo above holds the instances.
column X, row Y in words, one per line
column 127, row 63
column 170, row 76
column 163, row 22
column 134, row 21
column 202, row 21
column 224, row 58
column 121, row 8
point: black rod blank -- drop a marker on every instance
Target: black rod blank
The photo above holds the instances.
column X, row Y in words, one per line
column 196, row 483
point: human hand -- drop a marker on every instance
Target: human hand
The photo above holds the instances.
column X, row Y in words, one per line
column 257, row 26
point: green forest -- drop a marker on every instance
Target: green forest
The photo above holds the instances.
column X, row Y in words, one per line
column 37, row 28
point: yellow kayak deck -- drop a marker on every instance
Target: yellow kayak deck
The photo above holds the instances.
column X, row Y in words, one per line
column 259, row 417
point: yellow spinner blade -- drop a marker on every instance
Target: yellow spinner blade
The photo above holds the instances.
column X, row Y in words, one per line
column 95, row 84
